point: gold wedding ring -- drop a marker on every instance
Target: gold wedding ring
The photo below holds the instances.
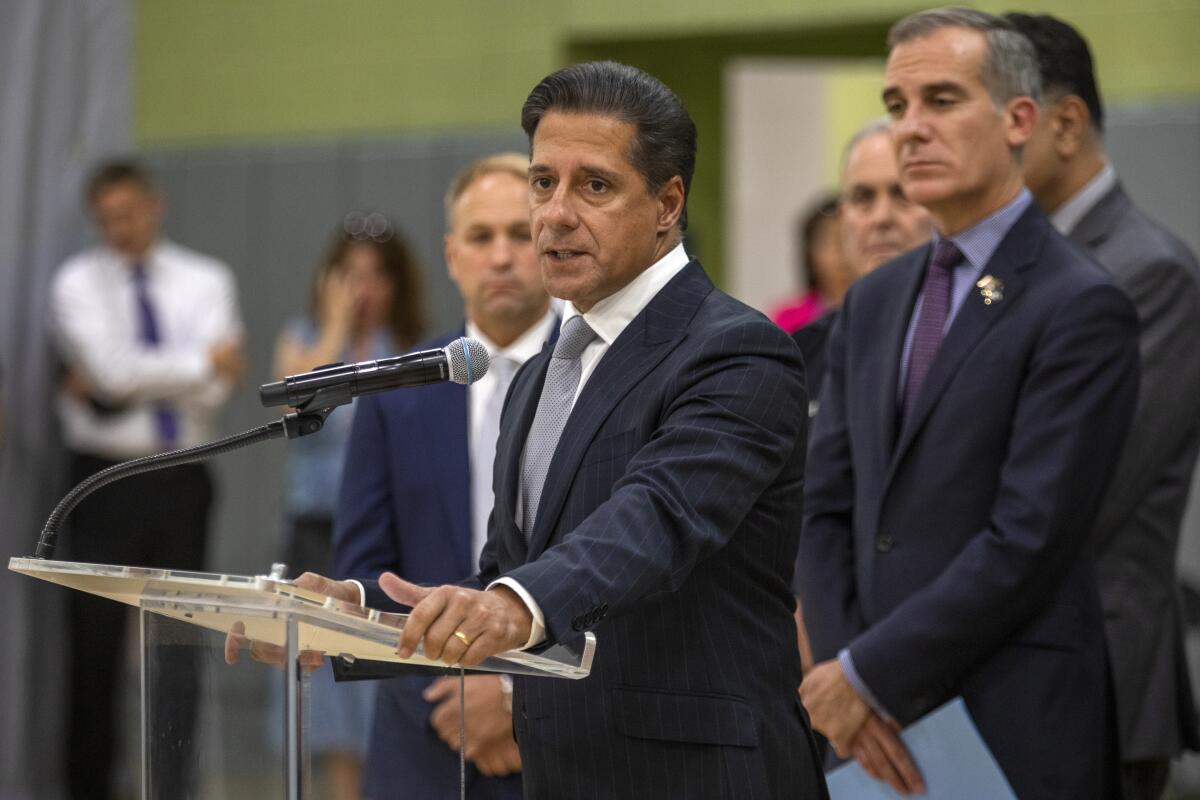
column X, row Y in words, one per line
column 462, row 637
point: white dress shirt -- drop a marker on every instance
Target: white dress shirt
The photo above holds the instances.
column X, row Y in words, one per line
column 1069, row 213
column 608, row 318
column 487, row 395
column 94, row 316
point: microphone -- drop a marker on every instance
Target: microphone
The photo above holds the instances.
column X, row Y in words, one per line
column 462, row 361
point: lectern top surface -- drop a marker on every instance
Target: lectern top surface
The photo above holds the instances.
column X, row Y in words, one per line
column 259, row 603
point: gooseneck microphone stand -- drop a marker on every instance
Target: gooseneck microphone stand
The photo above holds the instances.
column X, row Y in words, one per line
column 306, row 419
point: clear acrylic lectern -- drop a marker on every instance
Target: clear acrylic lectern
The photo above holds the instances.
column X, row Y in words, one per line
column 188, row 616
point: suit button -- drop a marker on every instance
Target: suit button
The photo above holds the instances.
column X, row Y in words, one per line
column 884, row 543
column 577, row 624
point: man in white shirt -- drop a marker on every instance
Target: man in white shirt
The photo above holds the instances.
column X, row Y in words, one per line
column 149, row 334
column 1136, row 534
column 417, row 488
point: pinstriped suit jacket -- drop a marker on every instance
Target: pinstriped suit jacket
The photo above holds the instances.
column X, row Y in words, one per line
column 668, row 523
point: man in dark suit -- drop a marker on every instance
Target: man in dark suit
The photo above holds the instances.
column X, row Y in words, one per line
column 665, row 516
column 978, row 392
column 1137, row 531
column 417, row 488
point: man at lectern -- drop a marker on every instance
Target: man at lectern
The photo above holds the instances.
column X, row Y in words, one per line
column 648, row 483
column 149, row 334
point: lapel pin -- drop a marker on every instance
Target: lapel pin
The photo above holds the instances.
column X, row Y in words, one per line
column 991, row 289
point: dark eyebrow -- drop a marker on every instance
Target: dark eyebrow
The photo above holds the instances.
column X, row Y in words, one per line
column 927, row 89
column 943, row 86
column 600, row 172
column 587, row 169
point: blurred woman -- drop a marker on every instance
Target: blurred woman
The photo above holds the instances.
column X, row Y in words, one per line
column 823, row 268
column 365, row 305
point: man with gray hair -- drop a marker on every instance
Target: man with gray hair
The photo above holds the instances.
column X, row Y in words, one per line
column 978, row 392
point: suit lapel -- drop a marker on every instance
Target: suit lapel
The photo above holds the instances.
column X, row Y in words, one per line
column 641, row 346
column 1016, row 253
column 886, row 366
column 1098, row 223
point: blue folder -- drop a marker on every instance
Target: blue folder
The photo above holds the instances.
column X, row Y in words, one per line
column 952, row 757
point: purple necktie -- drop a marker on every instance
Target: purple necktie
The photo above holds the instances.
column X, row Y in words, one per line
column 935, row 308
column 148, row 334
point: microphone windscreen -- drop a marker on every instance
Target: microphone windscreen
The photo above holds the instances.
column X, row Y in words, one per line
column 468, row 360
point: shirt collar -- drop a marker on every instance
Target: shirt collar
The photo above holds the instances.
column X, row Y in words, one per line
column 609, row 317
column 1069, row 213
column 979, row 242
column 524, row 347
column 148, row 262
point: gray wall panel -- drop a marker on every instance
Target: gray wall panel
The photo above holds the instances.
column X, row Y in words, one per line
column 269, row 212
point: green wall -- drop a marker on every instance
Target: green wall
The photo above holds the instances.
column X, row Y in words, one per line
column 233, row 70
column 226, row 72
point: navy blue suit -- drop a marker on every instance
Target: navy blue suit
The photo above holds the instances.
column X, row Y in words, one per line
column 950, row 552
column 668, row 523
column 405, row 506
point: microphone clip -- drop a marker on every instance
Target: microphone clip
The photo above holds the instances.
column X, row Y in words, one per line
column 310, row 417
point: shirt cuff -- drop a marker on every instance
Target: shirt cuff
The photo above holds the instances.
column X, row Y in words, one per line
column 537, row 631
column 362, row 592
column 864, row 691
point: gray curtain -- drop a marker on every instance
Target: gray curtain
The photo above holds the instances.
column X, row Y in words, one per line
column 64, row 104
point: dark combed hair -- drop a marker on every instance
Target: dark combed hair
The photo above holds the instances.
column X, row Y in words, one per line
column 113, row 173
column 405, row 318
column 664, row 144
column 1064, row 59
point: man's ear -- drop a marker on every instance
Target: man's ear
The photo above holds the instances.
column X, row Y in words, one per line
column 1020, row 117
column 670, row 204
column 448, row 254
column 1071, row 125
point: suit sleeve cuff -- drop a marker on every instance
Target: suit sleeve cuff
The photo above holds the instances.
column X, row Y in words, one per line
column 847, row 663
column 537, row 631
column 362, row 591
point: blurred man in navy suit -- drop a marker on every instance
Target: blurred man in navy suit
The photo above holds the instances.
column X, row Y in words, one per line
column 978, row 393
column 416, row 492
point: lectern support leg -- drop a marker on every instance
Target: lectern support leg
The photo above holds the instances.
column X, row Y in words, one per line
column 294, row 721
column 143, row 642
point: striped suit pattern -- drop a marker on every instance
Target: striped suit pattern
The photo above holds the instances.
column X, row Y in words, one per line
column 668, row 523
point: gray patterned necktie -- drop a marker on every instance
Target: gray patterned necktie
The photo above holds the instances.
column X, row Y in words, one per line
column 558, row 397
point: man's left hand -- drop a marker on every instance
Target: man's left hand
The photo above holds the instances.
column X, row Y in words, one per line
column 457, row 625
column 835, row 708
